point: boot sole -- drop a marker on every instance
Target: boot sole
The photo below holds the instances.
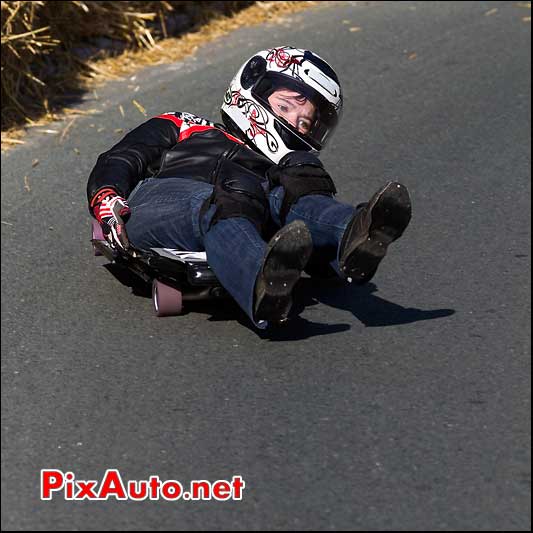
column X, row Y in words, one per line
column 387, row 219
column 287, row 255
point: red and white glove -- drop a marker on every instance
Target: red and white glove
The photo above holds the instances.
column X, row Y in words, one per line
column 112, row 212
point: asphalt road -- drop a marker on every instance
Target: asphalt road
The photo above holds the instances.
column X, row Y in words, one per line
column 402, row 405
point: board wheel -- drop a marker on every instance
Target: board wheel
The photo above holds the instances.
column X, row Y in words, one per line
column 167, row 300
column 97, row 235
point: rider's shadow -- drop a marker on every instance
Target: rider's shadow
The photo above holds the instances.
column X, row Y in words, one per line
column 361, row 301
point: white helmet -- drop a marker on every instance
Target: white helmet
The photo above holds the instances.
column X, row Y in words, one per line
column 246, row 110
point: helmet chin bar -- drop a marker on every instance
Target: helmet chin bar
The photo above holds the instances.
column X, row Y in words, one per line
column 292, row 140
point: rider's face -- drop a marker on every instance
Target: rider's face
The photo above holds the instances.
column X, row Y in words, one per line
column 296, row 109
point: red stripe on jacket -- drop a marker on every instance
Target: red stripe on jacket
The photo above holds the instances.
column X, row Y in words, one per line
column 172, row 118
column 185, row 134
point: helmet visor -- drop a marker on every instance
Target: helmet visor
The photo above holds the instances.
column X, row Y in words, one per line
column 301, row 110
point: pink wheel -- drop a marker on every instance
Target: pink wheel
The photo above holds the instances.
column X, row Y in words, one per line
column 167, row 300
column 97, row 235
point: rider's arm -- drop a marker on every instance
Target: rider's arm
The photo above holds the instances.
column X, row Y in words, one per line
column 127, row 163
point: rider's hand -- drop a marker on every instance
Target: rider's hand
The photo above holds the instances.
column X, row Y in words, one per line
column 300, row 174
column 300, row 165
column 112, row 212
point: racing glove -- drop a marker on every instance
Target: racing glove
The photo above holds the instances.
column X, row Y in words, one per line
column 300, row 173
column 300, row 165
column 112, row 212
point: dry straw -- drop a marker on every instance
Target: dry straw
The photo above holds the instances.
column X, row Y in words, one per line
column 49, row 48
column 55, row 50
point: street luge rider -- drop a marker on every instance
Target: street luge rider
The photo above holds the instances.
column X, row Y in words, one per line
column 181, row 181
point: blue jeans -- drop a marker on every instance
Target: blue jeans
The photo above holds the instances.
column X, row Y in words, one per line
column 166, row 213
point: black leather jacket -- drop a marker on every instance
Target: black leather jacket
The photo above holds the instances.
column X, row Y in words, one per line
column 175, row 145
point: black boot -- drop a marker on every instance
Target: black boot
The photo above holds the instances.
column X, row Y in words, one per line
column 286, row 257
column 372, row 229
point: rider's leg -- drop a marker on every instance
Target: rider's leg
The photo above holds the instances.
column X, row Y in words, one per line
column 353, row 240
column 259, row 275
